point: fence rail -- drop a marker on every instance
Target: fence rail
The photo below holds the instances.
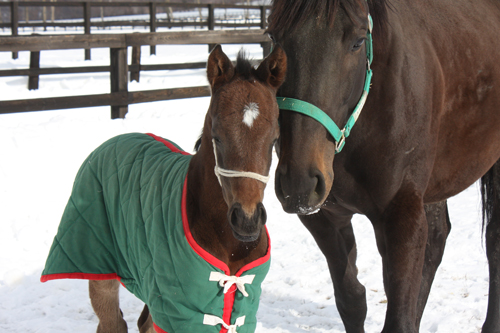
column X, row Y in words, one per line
column 153, row 22
column 120, row 97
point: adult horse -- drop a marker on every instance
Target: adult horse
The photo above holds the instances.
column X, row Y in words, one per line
column 184, row 233
column 429, row 129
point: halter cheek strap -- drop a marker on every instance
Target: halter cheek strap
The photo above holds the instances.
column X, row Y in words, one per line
column 319, row 115
column 220, row 172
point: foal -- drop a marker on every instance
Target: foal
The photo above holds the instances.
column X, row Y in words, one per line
column 183, row 233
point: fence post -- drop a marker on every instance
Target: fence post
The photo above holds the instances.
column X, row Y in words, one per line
column 119, row 80
column 152, row 24
column 263, row 21
column 86, row 18
column 52, row 12
column 44, row 16
column 34, row 64
column 211, row 24
column 14, row 22
column 266, row 46
column 136, row 63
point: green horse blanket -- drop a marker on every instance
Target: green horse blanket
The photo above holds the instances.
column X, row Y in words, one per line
column 126, row 219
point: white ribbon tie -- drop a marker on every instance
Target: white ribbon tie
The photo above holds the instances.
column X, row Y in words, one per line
column 228, row 281
column 214, row 320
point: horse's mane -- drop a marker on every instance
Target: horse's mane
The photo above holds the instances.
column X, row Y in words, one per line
column 244, row 66
column 245, row 70
column 287, row 15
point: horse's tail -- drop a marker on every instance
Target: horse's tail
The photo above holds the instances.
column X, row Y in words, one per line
column 490, row 193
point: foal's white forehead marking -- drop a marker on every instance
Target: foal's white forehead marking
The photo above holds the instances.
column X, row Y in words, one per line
column 250, row 113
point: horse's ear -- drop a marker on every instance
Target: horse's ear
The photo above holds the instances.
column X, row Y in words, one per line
column 219, row 68
column 273, row 69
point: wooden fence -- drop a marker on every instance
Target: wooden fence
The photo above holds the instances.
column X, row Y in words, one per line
column 153, row 22
column 120, row 97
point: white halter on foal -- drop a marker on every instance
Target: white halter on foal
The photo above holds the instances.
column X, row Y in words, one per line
column 220, row 172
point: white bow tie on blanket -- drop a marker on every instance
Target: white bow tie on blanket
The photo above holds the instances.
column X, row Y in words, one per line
column 214, row 320
column 228, row 281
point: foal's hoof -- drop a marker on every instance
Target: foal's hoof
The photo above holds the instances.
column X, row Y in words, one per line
column 120, row 327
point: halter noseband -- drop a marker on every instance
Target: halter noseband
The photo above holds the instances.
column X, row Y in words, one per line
column 220, row 172
column 308, row 109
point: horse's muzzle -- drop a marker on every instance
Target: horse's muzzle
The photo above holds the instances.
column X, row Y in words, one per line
column 247, row 228
column 302, row 194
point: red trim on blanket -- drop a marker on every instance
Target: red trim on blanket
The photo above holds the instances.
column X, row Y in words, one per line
column 189, row 236
column 158, row 329
column 170, row 146
column 229, row 298
column 81, row 276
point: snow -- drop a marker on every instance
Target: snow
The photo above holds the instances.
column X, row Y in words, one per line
column 40, row 153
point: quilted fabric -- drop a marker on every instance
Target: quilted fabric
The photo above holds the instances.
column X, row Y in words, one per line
column 126, row 220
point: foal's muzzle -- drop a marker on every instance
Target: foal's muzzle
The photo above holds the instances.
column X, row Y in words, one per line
column 247, row 228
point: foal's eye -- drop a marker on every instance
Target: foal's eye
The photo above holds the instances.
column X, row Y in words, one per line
column 358, row 44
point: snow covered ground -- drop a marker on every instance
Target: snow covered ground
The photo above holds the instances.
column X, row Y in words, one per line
column 40, row 153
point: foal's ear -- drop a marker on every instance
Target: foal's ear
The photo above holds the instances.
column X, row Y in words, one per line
column 219, row 68
column 273, row 69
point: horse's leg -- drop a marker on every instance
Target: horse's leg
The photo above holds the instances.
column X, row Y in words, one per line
column 438, row 223
column 490, row 188
column 335, row 238
column 145, row 322
column 105, row 301
column 401, row 233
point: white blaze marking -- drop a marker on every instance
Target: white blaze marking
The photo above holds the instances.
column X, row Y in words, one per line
column 250, row 113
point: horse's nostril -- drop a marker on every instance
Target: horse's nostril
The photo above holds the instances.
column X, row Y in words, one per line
column 319, row 188
column 281, row 193
column 261, row 210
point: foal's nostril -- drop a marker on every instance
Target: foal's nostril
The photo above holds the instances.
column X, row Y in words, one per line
column 233, row 214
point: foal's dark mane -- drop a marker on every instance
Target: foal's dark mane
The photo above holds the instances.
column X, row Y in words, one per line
column 245, row 70
column 287, row 15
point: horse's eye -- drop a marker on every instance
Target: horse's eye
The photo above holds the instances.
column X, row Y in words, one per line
column 216, row 139
column 272, row 38
column 358, row 44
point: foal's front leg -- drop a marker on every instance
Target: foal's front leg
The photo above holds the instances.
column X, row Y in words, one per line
column 145, row 322
column 106, row 304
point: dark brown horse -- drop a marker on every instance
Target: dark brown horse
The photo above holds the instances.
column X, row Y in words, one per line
column 223, row 218
column 429, row 129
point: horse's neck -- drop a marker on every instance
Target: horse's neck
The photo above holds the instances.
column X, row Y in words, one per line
column 207, row 215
